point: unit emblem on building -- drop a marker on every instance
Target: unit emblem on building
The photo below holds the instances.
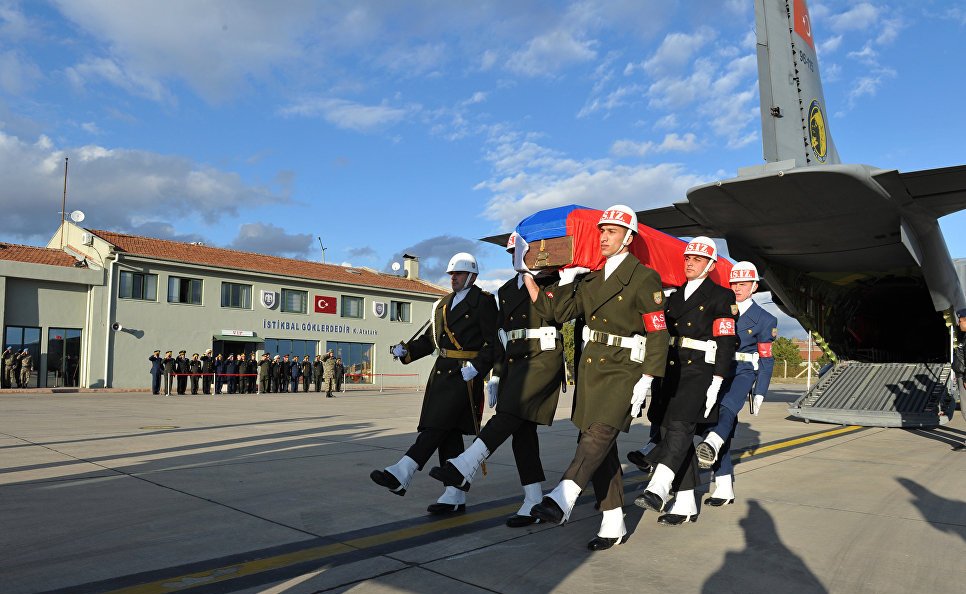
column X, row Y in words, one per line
column 379, row 308
column 269, row 299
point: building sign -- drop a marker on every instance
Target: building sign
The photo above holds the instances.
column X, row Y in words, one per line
column 269, row 299
column 316, row 327
column 379, row 308
column 325, row 304
column 237, row 333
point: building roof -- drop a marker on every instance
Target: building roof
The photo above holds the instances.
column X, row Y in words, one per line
column 178, row 251
column 36, row 255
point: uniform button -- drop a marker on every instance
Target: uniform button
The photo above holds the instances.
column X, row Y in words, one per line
column 605, row 320
column 511, row 317
column 620, row 298
column 689, row 323
column 603, row 360
column 749, row 330
column 670, row 362
column 675, row 323
column 524, row 316
column 689, row 361
column 438, row 372
column 589, row 360
column 700, row 308
column 466, row 315
column 511, row 359
column 593, row 317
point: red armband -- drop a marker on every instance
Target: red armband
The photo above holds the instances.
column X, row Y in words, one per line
column 724, row 327
column 764, row 349
column 654, row 321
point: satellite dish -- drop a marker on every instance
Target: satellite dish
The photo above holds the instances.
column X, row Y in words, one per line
column 395, row 266
column 77, row 216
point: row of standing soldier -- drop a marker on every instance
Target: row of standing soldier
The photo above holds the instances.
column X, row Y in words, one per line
column 17, row 367
column 635, row 341
column 244, row 373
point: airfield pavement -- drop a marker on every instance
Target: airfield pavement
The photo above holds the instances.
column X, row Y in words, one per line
column 103, row 492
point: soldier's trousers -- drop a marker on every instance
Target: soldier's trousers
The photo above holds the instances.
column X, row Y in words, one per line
column 526, row 446
column 194, row 384
column 305, row 383
column 167, row 383
column 318, row 383
column 676, row 451
column 155, row 383
column 182, row 384
column 264, row 385
column 206, row 383
column 449, row 443
column 596, row 462
column 727, row 422
column 24, row 377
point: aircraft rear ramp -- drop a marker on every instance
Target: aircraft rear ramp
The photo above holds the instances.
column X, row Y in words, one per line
column 881, row 395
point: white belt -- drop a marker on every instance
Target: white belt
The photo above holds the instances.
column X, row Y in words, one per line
column 709, row 347
column 748, row 358
column 547, row 335
column 635, row 343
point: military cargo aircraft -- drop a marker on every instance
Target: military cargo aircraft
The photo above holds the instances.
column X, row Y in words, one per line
column 853, row 252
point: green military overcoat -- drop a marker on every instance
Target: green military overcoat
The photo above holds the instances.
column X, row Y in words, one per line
column 446, row 402
column 618, row 305
column 530, row 377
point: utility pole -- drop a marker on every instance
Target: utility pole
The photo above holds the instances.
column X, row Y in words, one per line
column 63, row 206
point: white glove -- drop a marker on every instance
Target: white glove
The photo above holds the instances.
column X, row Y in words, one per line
column 712, row 396
column 567, row 275
column 756, row 403
column 492, row 388
column 639, row 395
column 520, row 250
column 469, row 372
column 399, row 351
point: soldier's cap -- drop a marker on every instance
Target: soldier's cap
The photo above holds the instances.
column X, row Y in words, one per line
column 961, row 313
column 208, row 352
column 25, row 350
column 195, row 355
column 157, row 350
column 167, row 352
column 182, row 352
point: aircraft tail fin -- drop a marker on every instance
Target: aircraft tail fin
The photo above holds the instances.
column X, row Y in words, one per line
column 794, row 120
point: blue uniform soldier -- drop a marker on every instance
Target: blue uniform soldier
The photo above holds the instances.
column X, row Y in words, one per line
column 156, row 370
column 756, row 329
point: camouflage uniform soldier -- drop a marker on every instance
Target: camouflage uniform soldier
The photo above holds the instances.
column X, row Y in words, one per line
column 26, row 366
column 7, row 379
column 328, row 373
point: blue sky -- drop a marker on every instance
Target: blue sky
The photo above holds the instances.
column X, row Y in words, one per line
column 419, row 126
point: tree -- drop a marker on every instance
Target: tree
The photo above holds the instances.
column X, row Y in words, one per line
column 784, row 350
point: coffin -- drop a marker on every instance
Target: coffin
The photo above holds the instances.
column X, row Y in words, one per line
column 567, row 236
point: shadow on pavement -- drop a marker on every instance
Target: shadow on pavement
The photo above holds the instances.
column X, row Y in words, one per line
column 939, row 511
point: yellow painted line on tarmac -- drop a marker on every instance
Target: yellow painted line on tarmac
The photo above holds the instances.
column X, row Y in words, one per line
column 798, row 441
column 318, row 554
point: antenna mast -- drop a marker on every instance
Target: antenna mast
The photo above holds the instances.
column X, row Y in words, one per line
column 323, row 249
column 63, row 206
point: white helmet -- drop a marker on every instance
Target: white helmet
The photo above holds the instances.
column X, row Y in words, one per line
column 462, row 262
column 743, row 271
column 511, row 241
column 702, row 246
column 620, row 215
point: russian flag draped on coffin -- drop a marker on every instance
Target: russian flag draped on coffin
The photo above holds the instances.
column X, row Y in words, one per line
column 655, row 249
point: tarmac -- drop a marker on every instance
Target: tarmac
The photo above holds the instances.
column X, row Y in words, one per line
column 129, row 492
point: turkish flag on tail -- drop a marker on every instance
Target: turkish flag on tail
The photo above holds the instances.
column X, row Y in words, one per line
column 324, row 304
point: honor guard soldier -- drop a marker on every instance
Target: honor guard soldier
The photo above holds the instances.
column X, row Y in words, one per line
column 751, row 374
column 264, row 374
column 170, row 368
column 625, row 349
column 207, row 368
column 461, row 336
column 701, row 317
column 527, row 375
column 306, row 373
column 155, row 360
column 194, row 368
column 243, row 371
column 276, row 373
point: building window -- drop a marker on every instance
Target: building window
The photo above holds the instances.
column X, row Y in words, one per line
column 356, row 359
column 352, row 306
column 293, row 348
column 399, row 311
column 18, row 339
column 137, row 285
column 63, row 357
column 184, row 290
column 294, row 301
column 236, row 295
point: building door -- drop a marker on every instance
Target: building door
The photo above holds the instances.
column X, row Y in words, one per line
column 20, row 338
column 63, row 357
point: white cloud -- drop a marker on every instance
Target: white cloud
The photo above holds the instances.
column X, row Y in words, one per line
column 860, row 17
column 890, row 31
column 14, row 24
column 672, row 143
column 619, row 97
column 415, row 61
column 117, row 188
column 90, row 128
column 549, row 53
column 347, row 114
column 866, row 55
column 677, row 51
column 94, row 70
column 18, row 74
column 829, row 45
column 868, row 86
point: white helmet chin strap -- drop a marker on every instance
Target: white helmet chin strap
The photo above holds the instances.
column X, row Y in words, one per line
column 628, row 238
column 470, row 278
column 707, row 268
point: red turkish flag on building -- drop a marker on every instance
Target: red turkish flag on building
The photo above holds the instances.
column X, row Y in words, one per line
column 325, row 304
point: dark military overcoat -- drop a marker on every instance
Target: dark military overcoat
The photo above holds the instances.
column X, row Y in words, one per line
column 446, row 402
column 618, row 305
column 710, row 310
column 530, row 378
